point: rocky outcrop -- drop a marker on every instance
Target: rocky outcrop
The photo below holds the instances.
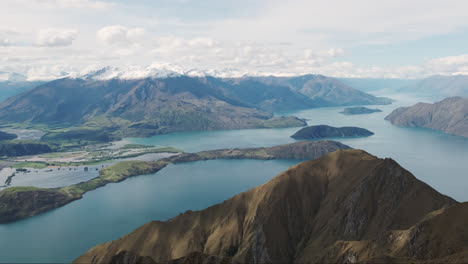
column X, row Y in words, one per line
column 449, row 115
column 324, row 131
column 347, row 196
column 359, row 110
column 439, row 237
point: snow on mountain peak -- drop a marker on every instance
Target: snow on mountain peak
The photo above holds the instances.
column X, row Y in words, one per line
column 155, row 70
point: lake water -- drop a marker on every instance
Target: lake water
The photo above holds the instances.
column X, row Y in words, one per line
column 116, row 209
column 439, row 159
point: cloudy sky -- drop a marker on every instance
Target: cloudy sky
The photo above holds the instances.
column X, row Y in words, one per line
column 44, row 39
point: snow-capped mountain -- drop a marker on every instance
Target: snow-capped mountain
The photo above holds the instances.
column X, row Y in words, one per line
column 157, row 70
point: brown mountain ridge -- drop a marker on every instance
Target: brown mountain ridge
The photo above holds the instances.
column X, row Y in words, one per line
column 347, row 206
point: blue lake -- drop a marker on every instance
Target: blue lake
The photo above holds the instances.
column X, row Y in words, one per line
column 109, row 212
column 116, row 209
column 437, row 158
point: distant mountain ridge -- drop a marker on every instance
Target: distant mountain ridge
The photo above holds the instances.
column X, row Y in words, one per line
column 345, row 207
column 449, row 115
column 379, row 84
column 12, row 83
column 440, row 86
column 180, row 103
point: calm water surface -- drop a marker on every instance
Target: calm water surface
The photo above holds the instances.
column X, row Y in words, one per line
column 116, row 209
column 439, row 159
column 109, row 212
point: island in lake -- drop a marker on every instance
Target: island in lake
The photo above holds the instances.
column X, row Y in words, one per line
column 324, row 131
column 359, row 110
column 449, row 115
column 345, row 207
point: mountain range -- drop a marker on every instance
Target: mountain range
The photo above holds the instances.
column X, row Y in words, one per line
column 435, row 87
column 449, row 115
column 439, row 86
column 345, row 207
column 174, row 102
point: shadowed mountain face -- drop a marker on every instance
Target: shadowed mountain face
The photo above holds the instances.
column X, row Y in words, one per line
column 152, row 106
column 302, row 216
column 449, row 115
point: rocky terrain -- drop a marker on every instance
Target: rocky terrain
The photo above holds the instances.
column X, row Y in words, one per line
column 21, row 202
column 449, row 115
column 345, row 207
column 359, row 110
column 324, row 131
column 149, row 106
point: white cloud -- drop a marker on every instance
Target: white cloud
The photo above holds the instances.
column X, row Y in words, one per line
column 72, row 4
column 448, row 65
column 5, row 42
column 335, row 52
column 118, row 35
column 297, row 36
column 201, row 42
column 46, row 73
column 182, row 47
column 53, row 37
column 93, row 4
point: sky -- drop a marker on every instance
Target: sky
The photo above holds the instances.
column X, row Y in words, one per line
column 46, row 39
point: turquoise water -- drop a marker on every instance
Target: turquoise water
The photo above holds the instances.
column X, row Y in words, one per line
column 439, row 159
column 109, row 212
column 116, row 209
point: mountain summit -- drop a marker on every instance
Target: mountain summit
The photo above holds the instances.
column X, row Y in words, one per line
column 327, row 210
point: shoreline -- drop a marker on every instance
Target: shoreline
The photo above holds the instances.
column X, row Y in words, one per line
column 22, row 202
